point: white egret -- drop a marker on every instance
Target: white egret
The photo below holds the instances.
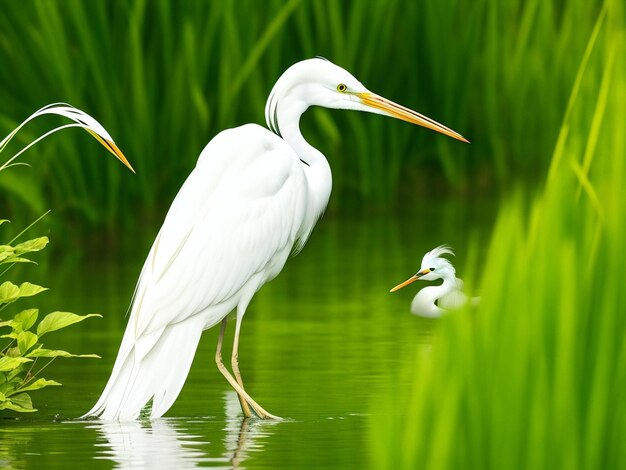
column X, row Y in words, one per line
column 251, row 201
column 434, row 301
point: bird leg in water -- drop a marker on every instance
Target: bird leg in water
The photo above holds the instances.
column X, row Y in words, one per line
column 261, row 413
column 234, row 361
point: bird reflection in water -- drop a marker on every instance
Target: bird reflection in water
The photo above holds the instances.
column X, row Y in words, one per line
column 243, row 435
column 183, row 443
column 157, row 444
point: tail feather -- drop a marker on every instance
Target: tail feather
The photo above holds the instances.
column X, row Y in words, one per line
column 120, row 374
column 158, row 374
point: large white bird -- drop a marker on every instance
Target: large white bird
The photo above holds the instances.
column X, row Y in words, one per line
column 251, row 201
column 434, row 301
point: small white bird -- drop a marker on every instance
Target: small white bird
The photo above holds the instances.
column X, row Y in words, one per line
column 434, row 301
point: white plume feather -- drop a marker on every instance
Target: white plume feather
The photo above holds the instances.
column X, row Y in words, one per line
column 437, row 253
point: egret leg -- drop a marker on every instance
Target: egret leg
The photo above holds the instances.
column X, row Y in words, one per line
column 234, row 361
column 261, row 413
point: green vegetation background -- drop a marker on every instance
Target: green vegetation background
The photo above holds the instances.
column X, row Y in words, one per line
column 164, row 77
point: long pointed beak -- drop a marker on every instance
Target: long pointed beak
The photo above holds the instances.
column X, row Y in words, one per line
column 410, row 280
column 400, row 112
column 405, row 283
column 114, row 149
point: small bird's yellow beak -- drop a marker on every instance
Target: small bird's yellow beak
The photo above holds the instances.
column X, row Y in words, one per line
column 410, row 280
column 114, row 149
column 400, row 112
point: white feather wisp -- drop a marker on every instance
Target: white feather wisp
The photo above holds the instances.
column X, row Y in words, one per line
column 79, row 118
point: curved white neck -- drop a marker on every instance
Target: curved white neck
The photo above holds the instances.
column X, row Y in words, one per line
column 424, row 303
column 282, row 113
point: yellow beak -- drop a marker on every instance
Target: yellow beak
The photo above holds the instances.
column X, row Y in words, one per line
column 400, row 112
column 410, row 280
column 111, row 147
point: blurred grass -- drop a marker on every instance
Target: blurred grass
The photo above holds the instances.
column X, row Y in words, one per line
column 165, row 77
column 535, row 378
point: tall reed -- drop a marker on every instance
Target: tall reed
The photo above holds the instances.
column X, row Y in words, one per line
column 166, row 77
column 535, row 377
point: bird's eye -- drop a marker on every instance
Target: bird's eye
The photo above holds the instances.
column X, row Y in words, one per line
column 432, row 269
column 342, row 87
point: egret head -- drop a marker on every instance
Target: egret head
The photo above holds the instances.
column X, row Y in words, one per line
column 319, row 82
column 433, row 267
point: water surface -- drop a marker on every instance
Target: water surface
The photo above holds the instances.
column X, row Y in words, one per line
column 321, row 346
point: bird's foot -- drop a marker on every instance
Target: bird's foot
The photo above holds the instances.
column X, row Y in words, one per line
column 261, row 413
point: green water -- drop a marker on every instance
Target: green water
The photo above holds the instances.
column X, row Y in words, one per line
column 321, row 345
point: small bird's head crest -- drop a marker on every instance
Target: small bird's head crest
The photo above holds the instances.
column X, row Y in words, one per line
column 434, row 262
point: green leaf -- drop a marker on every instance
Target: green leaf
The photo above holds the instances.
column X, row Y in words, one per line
column 28, row 290
column 10, row 384
column 27, row 318
column 2, row 397
column 2, row 221
column 41, row 352
column 37, row 384
column 9, row 387
column 8, row 292
column 8, row 405
column 5, row 252
column 10, row 363
column 20, row 402
column 23, row 400
column 16, row 259
column 36, row 244
column 13, row 352
column 14, row 375
column 26, row 340
column 57, row 320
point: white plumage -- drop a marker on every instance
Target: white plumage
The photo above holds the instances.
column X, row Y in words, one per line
column 435, row 301
column 252, row 199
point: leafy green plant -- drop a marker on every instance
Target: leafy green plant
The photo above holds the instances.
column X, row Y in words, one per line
column 22, row 356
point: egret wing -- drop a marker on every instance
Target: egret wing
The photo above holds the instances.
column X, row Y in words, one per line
column 236, row 217
column 454, row 299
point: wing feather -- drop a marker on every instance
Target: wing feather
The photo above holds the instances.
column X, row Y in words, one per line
column 238, row 214
column 454, row 299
